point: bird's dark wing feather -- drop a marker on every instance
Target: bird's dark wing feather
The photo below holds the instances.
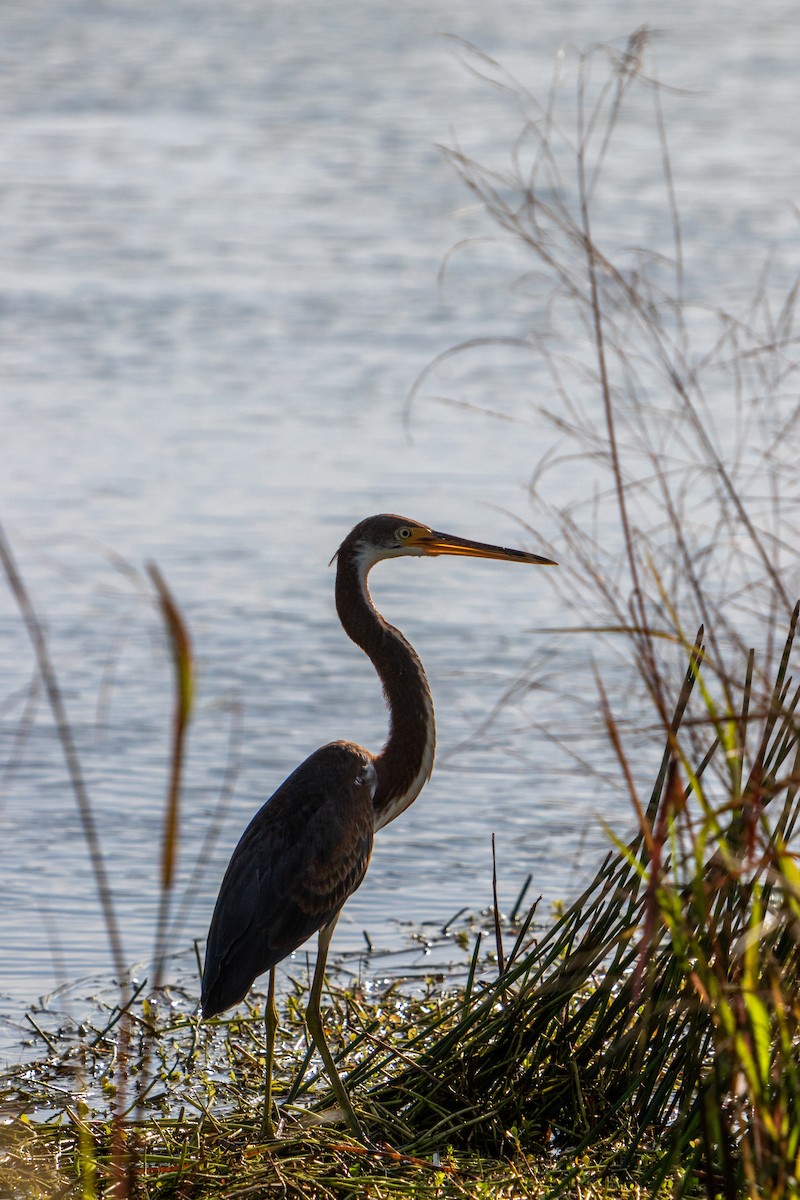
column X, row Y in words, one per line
column 299, row 859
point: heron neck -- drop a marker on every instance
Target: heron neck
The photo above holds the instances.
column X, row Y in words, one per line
column 404, row 764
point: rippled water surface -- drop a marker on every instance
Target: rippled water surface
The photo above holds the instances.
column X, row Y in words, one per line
column 220, row 233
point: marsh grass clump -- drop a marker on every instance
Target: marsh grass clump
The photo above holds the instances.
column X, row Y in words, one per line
column 658, row 1018
column 664, row 1003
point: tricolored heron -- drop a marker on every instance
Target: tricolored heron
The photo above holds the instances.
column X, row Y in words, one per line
column 309, row 847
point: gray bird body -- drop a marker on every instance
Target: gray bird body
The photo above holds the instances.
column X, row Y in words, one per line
column 304, row 852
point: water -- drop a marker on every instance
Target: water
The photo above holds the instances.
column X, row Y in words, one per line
column 221, row 233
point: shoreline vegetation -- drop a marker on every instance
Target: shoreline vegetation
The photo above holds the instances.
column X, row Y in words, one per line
column 643, row 1040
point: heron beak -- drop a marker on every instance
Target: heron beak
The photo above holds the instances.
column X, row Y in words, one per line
column 432, row 542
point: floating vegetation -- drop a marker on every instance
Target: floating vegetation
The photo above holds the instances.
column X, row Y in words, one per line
column 192, row 1127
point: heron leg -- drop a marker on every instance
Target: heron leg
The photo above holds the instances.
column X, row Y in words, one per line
column 271, row 1027
column 314, row 1022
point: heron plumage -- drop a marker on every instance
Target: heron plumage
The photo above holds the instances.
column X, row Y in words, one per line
column 304, row 852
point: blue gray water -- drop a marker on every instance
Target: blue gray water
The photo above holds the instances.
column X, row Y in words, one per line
column 221, row 228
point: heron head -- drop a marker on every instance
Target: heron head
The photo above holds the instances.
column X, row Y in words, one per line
column 392, row 536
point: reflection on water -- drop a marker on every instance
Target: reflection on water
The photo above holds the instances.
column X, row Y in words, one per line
column 221, row 239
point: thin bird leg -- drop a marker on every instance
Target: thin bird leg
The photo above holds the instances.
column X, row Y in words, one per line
column 314, row 1023
column 271, row 1026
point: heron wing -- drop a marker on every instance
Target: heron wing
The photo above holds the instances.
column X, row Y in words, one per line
column 299, row 859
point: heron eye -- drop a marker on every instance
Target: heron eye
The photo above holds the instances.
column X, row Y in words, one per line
column 404, row 534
